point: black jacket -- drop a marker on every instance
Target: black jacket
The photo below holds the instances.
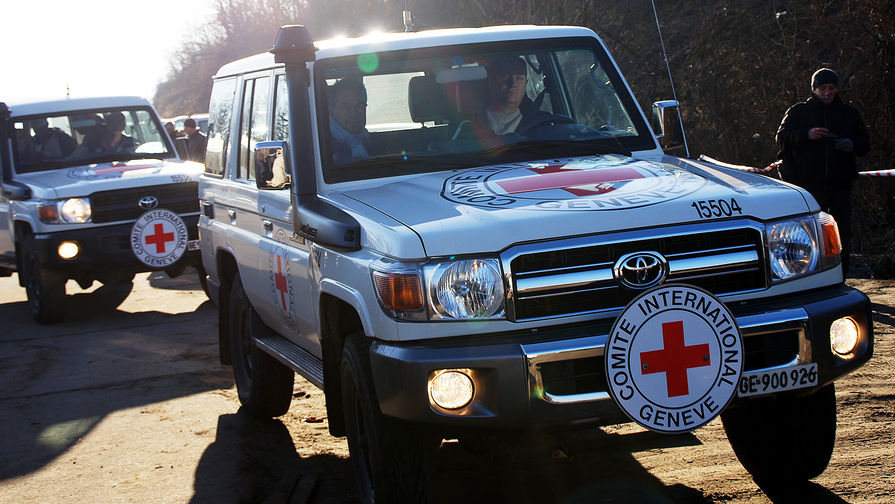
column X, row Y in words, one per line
column 816, row 164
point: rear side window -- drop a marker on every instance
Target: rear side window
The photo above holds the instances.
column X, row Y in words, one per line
column 220, row 112
column 255, row 125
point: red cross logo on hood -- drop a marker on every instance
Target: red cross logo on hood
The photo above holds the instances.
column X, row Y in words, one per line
column 573, row 180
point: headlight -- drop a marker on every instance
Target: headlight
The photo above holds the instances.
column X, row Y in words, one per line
column 467, row 289
column 462, row 289
column 798, row 247
column 75, row 210
column 72, row 210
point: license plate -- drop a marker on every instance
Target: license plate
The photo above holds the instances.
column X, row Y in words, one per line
column 192, row 245
column 778, row 380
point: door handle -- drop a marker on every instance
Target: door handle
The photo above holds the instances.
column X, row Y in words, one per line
column 268, row 225
column 232, row 214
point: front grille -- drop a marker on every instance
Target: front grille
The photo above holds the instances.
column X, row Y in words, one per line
column 574, row 376
column 768, row 350
column 579, row 278
column 123, row 204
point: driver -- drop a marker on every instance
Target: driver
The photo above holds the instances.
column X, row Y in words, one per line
column 507, row 110
column 507, row 80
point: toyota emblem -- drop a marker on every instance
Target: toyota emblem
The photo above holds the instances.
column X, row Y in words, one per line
column 148, row 202
column 640, row 270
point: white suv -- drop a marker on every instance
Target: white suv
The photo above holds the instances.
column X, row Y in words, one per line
column 440, row 280
column 92, row 189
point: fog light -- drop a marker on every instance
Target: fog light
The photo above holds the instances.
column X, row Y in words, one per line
column 844, row 336
column 68, row 250
column 450, row 389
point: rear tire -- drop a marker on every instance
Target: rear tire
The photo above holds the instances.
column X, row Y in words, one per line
column 263, row 383
column 784, row 441
column 45, row 289
column 389, row 461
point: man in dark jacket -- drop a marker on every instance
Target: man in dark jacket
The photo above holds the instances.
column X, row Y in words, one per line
column 819, row 139
column 195, row 141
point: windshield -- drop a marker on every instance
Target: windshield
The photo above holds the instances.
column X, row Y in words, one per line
column 60, row 140
column 452, row 107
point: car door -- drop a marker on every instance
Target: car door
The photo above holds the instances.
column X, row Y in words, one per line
column 287, row 253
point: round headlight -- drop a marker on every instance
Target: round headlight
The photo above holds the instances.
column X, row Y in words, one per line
column 450, row 389
column 467, row 289
column 844, row 336
column 76, row 210
column 793, row 249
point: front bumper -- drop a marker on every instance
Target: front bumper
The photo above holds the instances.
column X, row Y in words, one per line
column 104, row 249
column 554, row 377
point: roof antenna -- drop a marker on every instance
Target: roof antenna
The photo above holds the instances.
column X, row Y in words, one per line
column 408, row 21
column 668, row 66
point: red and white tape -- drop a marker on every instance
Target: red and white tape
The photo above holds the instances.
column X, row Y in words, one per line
column 776, row 164
column 878, row 173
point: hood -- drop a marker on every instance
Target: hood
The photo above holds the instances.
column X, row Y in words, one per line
column 487, row 209
column 84, row 180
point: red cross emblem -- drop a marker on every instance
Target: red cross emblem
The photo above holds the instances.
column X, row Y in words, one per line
column 575, row 181
column 280, row 280
column 159, row 239
column 675, row 359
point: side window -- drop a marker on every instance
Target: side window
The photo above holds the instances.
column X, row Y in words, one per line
column 281, row 111
column 220, row 111
column 244, row 124
column 255, row 126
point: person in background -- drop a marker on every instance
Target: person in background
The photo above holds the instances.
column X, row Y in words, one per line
column 348, row 120
column 819, row 140
column 195, row 141
column 180, row 143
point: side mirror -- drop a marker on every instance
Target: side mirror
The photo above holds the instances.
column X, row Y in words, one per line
column 669, row 127
column 271, row 165
column 16, row 191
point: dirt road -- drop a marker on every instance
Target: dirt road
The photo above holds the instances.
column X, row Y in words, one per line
column 126, row 403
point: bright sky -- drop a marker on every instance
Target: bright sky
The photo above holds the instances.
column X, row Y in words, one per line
column 95, row 47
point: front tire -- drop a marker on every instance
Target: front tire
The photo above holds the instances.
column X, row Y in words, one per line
column 45, row 289
column 784, row 441
column 263, row 383
column 389, row 462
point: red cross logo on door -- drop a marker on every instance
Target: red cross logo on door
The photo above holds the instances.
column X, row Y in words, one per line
column 577, row 182
column 675, row 359
column 159, row 239
column 280, row 280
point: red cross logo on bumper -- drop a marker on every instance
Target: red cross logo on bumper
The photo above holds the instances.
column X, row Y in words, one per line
column 675, row 359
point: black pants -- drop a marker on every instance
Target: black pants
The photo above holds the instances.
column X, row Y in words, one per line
column 836, row 201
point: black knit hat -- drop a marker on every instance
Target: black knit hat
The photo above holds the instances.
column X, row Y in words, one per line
column 824, row 76
column 507, row 65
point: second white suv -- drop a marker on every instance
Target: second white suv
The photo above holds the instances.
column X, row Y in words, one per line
column 92, row 189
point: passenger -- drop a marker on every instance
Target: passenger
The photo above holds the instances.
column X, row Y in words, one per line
column 348, row 121
column 25, row 148
column 118, row 141
column 50, row 143
column 195, row 141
